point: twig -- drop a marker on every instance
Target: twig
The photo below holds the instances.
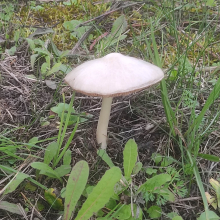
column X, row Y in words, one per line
column 106, row 13
column 35, row 210
column 98, row 20
column 188, row 199
column 13, row 76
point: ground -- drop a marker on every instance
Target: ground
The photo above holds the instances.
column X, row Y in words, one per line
column 187, row 38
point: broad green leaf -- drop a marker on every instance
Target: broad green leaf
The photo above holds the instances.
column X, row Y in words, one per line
column 209, row 157
column 52, row 198
column 39, row 42
column 171, row 215
column 67, row 157
column 154, row 212
column 151, row 171
column 63, row 170
column 111, row 204
column 75, row 186
column 60, row 108
column 17, row 34
column 30, row 187
column 155, row 182
column 119, row 26
column 10, row 207
column 10, row 170
column 50, row 152
column 64, row 53
column 11, row 51
column 44, row 68
column 167, row 194
column 48, row 58
column 130, row 157
column 123, row 213
column 89, row 190
column 65, row 68
column 212, row 216
column 33, row 59
column 137, row 168
column 54, row 69
column 70, row 25
column 40, row 206
column 42, row 51
column 167, row 161
column 33, row 140
column 100, row 194
column 102, row 153
column 211, row 3
column 63, row 192
column 177, row 218
column 45, row 169
column 30, row 43
column 14, row 183
column 156, row 157
column 56, row 51
column 77, row 32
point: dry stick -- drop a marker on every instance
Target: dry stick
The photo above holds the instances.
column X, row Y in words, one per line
column 14, row 77
column 25, row 163
column 188, row 199
column 106, row 13
column 98, row 20
column 35, row 209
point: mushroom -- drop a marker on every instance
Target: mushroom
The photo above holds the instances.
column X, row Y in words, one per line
column 112, row 75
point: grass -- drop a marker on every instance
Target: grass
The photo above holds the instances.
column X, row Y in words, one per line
column 183, row 112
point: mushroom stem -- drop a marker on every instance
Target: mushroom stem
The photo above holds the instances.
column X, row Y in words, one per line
column 101, row 133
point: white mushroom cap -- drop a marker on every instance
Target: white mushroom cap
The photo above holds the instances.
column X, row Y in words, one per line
column 113, row 75
column 109, row 76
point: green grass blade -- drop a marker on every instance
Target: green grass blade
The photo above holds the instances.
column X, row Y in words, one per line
column 200, row 185
column 9, row 169
column 170, row 115
column 102, row 153
column 67, row 121
column 75, row 186
column 154, row 54
column 67, row 144
column 15, row 182
column 212, row 97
